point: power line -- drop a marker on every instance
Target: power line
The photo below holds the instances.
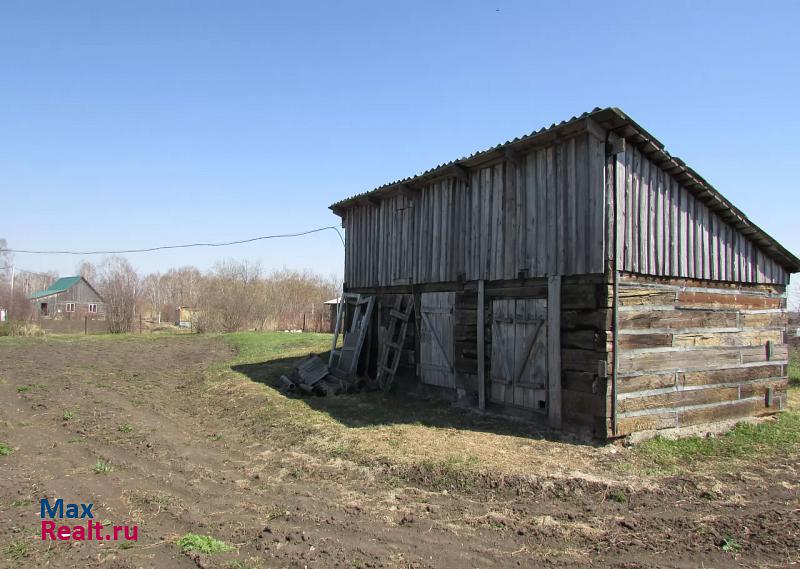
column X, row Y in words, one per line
column 183, row 246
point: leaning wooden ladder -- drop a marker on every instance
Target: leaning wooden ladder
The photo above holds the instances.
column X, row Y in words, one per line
column 393, row 340
column 343, row 362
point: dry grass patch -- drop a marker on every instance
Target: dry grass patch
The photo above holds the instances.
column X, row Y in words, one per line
column 428, row 440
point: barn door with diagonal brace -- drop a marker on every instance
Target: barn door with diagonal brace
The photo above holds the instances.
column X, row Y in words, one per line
column 519, row 353
column 436, row 338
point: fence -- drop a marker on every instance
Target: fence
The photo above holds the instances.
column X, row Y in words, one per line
column 74, row 326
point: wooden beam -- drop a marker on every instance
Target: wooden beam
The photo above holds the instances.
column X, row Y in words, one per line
column 407, row 190
column 513, row 156
column 554, row 351
column 374, row 200
column 595, row 129
column 481, row 347
column 460, row 172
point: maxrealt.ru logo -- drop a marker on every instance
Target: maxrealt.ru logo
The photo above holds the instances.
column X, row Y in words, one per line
column 81, row 531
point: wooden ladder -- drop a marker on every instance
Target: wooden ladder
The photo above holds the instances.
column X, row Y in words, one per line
column 343, row 362
column 393, row 340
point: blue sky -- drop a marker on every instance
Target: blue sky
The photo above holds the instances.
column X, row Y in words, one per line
column 130, row 124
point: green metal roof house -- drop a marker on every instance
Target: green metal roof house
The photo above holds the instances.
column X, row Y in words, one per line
column 68, row 298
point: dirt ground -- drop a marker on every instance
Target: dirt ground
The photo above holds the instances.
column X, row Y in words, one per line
column 195, row 451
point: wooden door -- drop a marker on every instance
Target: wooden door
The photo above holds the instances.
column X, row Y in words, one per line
column 519, row 353
column 436, row 338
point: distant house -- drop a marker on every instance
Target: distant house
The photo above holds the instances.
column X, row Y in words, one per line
column 68, row 298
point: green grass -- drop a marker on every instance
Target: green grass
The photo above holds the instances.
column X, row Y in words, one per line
column 730, row 545
column 102, row 467
column 125, row 428
column 746, row 441
column 24, row 388
column 68, row 415
column 5, row 449
column 203, row 544
column 618, row 496
column 270, row 346
column 16, row 550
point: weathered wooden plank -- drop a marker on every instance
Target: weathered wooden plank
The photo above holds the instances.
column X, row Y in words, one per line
column 635, row 341
column 579, row 381
column 729, row 375
column 677, row 399
column 529, row 291
column 481, row 314
column 542, row 244
column 630, row 203
column 576, row 204
column 631, row 296
column 581, row 360
column 658, row 265
column 644, row 215
column 664, row 420
column 510, row 265
column 763, row 320
column 627, row 384
column 554, row 399
column 760, row 388
column 561, row 200
column 694, row 299
column 586, row 319
column 552, row 213
column 721, row 412
column 583, row 339
column 676, row 319
column 581, row 403
column 762, row 354
column 738, row 338
column 679, row 359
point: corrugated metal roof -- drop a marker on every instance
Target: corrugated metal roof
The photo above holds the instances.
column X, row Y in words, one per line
column 62, row 284
column 616, row 121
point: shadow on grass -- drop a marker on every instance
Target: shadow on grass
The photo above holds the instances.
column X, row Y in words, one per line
column 405, row 405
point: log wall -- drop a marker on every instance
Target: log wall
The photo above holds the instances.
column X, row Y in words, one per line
column 585, row 330
column 692, row 352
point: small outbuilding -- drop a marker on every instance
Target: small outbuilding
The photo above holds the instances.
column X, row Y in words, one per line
column 579, row 275
column 68, row 298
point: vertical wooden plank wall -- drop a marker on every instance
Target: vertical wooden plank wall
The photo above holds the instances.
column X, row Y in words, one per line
column 542, row 213
column 664, row 230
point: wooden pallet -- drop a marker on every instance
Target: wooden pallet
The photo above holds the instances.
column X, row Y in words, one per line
column 393, row 340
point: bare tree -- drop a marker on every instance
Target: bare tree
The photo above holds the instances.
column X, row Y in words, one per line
column 88, row 271
column 153, row 287
column 119, row 285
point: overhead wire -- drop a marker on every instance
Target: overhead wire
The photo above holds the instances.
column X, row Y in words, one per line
column 180, row 246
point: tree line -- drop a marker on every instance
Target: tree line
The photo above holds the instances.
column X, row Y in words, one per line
column 233, row 295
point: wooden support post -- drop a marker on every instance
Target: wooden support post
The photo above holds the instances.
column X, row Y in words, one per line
column 554, row 351
column 481, row 347
column 85, row 325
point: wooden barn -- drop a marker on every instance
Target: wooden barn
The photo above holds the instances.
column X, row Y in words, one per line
column 68, row 298
column 580, row 275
